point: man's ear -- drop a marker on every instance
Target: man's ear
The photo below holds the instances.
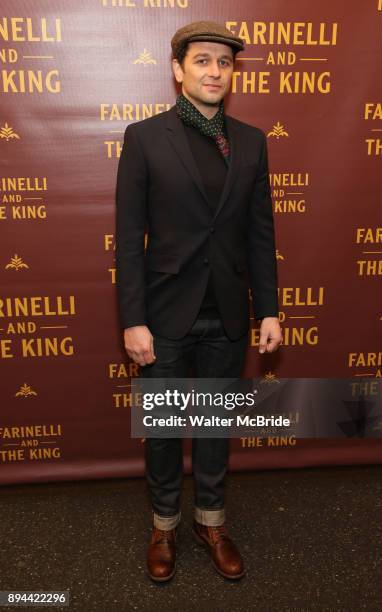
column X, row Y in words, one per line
column 177, row 70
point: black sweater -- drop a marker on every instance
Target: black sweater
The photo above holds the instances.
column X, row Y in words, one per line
column 213, row 170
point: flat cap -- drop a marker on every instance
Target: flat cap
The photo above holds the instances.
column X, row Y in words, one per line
column 204, row 30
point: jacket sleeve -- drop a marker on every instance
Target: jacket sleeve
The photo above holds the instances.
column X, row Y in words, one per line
column 261, row 243
column 131, row 208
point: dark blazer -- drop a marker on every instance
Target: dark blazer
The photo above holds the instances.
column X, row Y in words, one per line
column 160, row 191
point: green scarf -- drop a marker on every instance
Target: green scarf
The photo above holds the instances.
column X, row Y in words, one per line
column 214, row 128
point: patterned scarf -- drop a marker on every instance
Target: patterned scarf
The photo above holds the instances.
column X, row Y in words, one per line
column 214, row 128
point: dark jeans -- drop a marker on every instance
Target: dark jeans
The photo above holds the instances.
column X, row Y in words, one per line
column 208, row 351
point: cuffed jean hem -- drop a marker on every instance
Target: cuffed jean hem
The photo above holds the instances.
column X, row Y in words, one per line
column 212, row 518
column 166, row 522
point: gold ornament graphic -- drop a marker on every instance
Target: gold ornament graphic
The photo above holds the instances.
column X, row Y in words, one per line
column 278, row 130
column 16, row 263
column 269, row 378
column 145, row 58
column 25, row 391
column 279, row 256
column 7, row 132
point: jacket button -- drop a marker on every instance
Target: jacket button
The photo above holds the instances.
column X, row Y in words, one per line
column 212, row 229
column 205, row 261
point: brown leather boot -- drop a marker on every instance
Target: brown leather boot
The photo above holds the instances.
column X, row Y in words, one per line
column 161, row 554
column 225, row 555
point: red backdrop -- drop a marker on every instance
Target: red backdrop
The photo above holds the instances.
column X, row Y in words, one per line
column 73, row 75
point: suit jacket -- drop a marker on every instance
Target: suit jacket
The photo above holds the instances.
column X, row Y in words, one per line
column 160, row 192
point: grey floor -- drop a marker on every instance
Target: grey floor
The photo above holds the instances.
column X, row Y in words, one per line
column 311, row 540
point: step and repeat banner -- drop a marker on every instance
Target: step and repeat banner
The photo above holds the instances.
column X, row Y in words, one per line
column 74, row 74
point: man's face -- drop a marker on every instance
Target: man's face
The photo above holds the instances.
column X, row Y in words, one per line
column 207, row 72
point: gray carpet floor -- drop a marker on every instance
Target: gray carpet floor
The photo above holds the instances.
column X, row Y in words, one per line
column 310, row 538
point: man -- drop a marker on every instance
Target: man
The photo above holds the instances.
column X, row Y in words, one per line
column 197, row 180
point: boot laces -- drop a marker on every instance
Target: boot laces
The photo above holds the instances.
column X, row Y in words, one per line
column 165, row 535
column 218, row 532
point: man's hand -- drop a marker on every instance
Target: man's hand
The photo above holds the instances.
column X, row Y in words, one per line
column 139, row 344
column 270, row 335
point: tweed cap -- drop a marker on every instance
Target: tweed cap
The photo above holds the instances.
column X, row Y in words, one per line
column 204, row 31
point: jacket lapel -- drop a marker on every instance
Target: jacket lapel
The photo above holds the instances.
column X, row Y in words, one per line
column 178, row 138
column 233, row 164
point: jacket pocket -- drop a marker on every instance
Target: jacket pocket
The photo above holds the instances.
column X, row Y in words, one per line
column 163, row 262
